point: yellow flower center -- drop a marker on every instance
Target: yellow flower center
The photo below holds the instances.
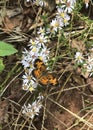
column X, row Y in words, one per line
column 56, row 24
column 65, row 21
column 34, row 49
column 31, row 89
column 33, row 43
column 62, row 15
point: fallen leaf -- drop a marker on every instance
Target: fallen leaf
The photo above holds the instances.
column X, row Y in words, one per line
column 10, row 23
column 3, row 110
column 79, row 45
column 90, row 82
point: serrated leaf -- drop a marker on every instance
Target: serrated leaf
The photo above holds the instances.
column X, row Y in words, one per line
column 6, row 49
column 1, row 65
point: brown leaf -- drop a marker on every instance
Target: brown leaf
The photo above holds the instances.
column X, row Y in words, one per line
column 9, row 24
column 79, row 45
column 3, row 110
column 80, row 72
column 90, row 82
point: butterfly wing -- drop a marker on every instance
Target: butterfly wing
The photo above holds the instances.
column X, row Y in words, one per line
column 51, row 79
column 39, row 65
column 36, row 73
column 43, row 80
column 42, row 75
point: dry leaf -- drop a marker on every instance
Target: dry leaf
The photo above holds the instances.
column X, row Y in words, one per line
column 3, row 110
column 90, row 82
column 79, row 45
column 10, row 23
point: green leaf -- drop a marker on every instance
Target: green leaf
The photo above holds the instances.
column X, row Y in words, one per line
column 1, row 65
column 6, row 49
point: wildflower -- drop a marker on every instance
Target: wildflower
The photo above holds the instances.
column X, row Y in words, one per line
column 70, row 6
column 44, row 54
column 79, row 57
column 86, row 3
column 29, row 56
column 26, row 58
column 56, row 25
column 65, row 1
column 41, row 31
column 90, row 70
column 32, row 109
column 42, row 39
column 62, row 16
column 34, row 43
column 26, row 78
column 60, row 12
column 34, row 53
column 29, row 85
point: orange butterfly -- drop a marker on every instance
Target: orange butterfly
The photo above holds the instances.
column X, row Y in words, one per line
column 42, row 75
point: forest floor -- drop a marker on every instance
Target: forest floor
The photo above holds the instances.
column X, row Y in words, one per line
column 69, row 104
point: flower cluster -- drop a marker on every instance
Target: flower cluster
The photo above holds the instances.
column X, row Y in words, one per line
column 32, row 109
column 38, row 49
column 86, row 63
column 62, row 16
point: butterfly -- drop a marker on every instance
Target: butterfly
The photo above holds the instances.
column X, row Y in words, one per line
column 41, row 74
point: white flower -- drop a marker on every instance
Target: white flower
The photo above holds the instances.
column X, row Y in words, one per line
column 32, row 109
column 29, row 56
column 44, row 54
column 62, row 17
column 26, row 59
column 31, row 86
column 42, row 39
column 70, row 5
column 65, row 1
column 72, row 2
column 25, row 63
column 60, row 13
column 26, row 78
column 34, row 44
column 56, row 25
column 34, row 53
column 29, row 83
column 41, row 31
column 79, row 57
column 90, row 70
column 86, row 3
